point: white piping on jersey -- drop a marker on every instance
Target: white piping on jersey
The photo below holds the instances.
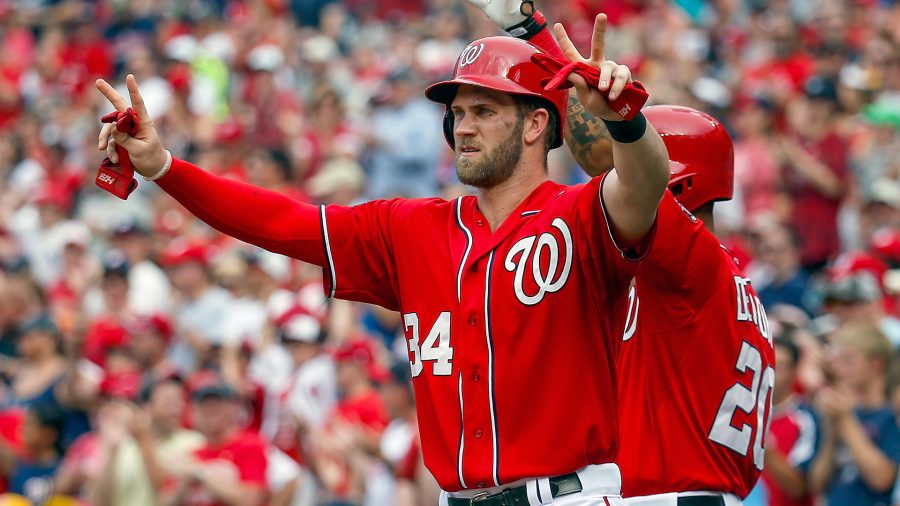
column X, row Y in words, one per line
column 462, row 433
column 606, row 219
column 465, row 257
column 328, row 252
column 490, row 346
column 530, row 213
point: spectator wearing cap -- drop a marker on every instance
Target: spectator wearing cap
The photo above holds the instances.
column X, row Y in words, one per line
column 778, row 275
column 793, row 436
column 110, row 302
column 341, row 181
column 21, row 299
column 814, row 163
column 41, row 376
column 404, row 142
column 311, row 394
column 270, row 101
column 860, row 449
column 202, row 312
column 231, row 467
column 79, row 271
column 879, row 213
column 149, row 338
column 322, row 65
column 149, row 290
column 31, row 474
column 343, row 449
column 852, row 292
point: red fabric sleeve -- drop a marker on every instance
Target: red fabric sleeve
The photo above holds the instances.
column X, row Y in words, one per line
column 544, row 40
column 360, row 253
column 262, row 217
column 685, row 256
column 612, row 264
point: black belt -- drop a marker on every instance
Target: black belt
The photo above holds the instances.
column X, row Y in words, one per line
column 701, row 500
column 518, row 496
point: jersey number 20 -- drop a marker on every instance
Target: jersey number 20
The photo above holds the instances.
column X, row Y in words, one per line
column 436, row 347
column 747, row 400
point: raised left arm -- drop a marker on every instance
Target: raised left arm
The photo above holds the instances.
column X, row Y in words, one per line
column 633, row 189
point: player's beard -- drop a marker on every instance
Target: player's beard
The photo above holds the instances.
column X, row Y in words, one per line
column 492, row 167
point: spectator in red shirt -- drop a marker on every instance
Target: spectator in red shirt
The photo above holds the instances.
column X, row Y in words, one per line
column 342, row 452
column 814, row 162
column 230, row 470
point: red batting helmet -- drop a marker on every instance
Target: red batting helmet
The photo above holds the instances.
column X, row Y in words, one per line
column 502, row 64
column 701, row 154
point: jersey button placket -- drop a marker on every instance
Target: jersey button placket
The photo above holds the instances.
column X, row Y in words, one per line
column 472, row 320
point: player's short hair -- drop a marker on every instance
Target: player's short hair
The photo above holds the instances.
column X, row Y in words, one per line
column 867, row 339
column 528, row 104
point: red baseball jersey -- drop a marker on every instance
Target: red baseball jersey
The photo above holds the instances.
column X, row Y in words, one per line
column 696, row 368
column 243, row 459
column 505, row 330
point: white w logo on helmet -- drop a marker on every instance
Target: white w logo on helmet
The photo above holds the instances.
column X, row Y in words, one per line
column 545, row 284
column 470, row 54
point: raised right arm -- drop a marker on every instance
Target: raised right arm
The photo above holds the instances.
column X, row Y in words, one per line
column 255, row 215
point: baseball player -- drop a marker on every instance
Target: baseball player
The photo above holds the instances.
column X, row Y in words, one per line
column 696, row 369
column 496, row 289
column 698, row 364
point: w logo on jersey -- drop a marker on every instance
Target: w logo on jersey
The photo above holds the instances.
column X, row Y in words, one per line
column 544, row 274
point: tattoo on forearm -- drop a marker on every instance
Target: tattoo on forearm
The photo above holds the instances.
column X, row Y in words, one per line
column 588, row 139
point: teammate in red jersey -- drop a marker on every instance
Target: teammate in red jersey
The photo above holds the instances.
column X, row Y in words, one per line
column 696, row 370
column 495, row 289
column 697, row 367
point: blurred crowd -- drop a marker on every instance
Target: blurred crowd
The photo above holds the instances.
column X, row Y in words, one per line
column 147, row 358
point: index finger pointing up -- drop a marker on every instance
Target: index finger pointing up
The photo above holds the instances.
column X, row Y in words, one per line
column 111, row 94
column 137, row 101
column 598, row 38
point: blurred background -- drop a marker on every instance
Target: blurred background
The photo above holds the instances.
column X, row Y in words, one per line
column 147, row 359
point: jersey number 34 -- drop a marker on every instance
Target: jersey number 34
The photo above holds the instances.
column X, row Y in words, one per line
column 757, row 398
column 436, row 347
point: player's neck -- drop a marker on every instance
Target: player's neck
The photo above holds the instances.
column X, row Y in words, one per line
column 498, row 202
column 707, row 218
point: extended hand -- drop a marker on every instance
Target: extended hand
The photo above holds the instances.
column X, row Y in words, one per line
column 613, row 77
column 145, row 150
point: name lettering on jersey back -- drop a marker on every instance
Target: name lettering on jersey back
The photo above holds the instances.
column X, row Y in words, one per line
column 749, row 308
column 530, row 251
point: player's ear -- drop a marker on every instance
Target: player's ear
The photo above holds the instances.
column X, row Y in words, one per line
column 535, row 125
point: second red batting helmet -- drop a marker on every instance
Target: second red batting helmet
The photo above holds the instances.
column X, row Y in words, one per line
column 501, row 64
column 701, row 154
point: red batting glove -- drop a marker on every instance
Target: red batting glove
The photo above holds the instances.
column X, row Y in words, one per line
column 626, row 105
column 118, row 179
